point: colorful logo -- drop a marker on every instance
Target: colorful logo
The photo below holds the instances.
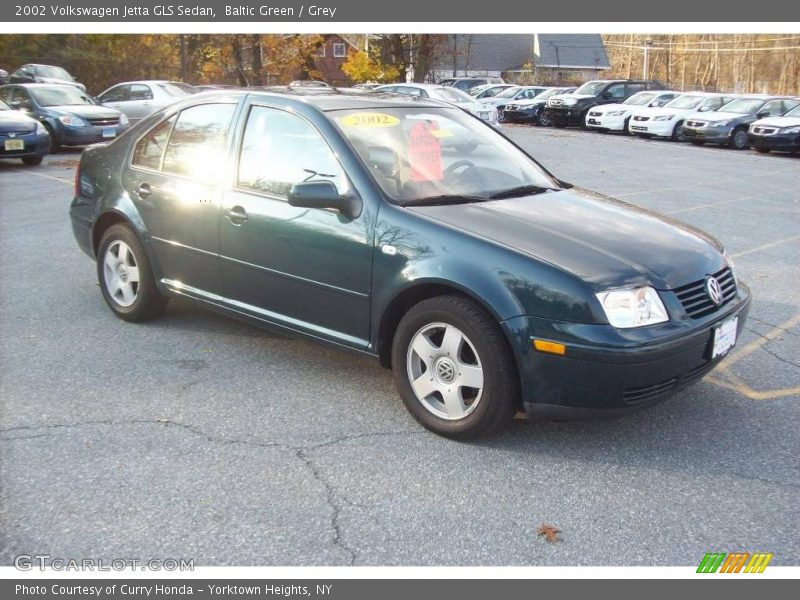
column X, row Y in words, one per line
column 734, row 562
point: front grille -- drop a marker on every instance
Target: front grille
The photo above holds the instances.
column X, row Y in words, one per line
column 695, row 299
column 641, row 394
column 595, row 113
column 764, row 130
column 555, row 102
column 103, row 121
column 641, row 118
column 695, row 123
column 16, row 132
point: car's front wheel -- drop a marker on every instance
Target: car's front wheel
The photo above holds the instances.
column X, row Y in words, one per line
column 544, row 120
column 125, row 277
column 453, row 368
column 739, row 139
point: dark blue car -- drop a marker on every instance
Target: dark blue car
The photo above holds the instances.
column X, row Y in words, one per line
column 21, row 136
column 71, row 117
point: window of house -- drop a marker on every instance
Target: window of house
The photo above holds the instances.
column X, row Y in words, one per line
column 321, row 51
column 339, row 50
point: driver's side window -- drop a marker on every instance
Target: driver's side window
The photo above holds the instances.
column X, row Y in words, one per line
column 280, row 149
column 615, row 91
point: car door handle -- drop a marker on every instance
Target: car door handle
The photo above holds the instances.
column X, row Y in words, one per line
column 143, row 191
column 237, row 215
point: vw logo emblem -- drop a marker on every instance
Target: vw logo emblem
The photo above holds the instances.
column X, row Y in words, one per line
column 12, row 134
column 445, row 370
column 714, row 290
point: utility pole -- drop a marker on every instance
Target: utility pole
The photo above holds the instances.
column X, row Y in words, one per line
column 648, row 44
column 183, row 57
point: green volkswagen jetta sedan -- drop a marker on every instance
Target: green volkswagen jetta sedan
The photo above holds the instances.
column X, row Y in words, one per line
column 410, row 231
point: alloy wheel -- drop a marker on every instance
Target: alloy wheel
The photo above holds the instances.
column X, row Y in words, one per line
column 121, row 273
column 445, row 371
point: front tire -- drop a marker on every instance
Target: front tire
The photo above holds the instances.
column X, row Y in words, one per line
column 677, row 132
column 126, row 279
column 739, row 140
column 453, row 368
column 544, row 120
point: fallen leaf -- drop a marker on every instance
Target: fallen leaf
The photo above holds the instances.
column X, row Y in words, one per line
column 549, row 532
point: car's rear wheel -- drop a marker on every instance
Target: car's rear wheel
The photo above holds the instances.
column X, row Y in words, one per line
column 33, row 160
column 125, row 277
column 739, row 140
column 453, row 368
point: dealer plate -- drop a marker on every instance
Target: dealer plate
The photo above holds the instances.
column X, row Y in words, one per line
column 12, row 145
column 109, row 132
column 724, row 337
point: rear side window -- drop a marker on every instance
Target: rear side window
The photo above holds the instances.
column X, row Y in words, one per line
column 140, row 92
column 116, row 94
column 148, row 152
column 196, row 146
column 280, row 149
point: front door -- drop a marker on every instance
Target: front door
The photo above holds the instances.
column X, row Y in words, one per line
column 175, row 182
column 307, row 269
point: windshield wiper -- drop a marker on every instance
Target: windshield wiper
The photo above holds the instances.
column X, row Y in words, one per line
column 444, row 199
column 522, row 190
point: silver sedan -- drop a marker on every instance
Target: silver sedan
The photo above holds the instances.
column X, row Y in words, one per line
column 137, row 99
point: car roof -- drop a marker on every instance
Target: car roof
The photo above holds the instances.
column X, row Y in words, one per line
column 331, row 98
column 43, row 85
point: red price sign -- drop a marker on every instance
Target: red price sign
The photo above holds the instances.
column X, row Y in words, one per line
column 425, row 152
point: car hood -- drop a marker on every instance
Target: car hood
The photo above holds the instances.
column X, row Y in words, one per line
column 60, row 81
column 578, row 96
column 714, row 116
column 528, row 102
column 655, row 111
column 605, row 108
column 13, row 120
column 606, row 242
column 776, row 122
column 89, row 111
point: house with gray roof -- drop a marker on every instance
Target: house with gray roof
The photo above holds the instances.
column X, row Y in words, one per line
column 542, row 58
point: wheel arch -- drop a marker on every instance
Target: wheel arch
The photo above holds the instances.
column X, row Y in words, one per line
column 106, row 220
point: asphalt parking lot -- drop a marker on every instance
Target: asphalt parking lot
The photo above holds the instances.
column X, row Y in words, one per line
column 198, row 437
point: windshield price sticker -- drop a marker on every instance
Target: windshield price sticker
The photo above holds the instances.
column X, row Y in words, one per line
column 370, row 119
column 425, row 152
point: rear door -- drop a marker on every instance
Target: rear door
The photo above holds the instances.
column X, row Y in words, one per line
column 140, row 101
column 175, row 180
column 309, row 269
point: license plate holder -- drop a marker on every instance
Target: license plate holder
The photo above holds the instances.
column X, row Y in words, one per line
column 109, row 132
column 724, row 337
column 14, row 145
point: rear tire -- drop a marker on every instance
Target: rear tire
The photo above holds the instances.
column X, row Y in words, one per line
column 454, row 369
column 126, row 279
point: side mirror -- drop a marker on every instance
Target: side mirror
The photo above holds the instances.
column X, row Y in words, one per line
column 704, row 109
column 763, row 114
column 323, row 194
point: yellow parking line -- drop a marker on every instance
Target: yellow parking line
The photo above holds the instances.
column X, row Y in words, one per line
column 724, row 378
column 765, row 246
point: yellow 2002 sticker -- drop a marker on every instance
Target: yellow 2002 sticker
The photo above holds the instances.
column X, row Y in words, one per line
column 370, row 119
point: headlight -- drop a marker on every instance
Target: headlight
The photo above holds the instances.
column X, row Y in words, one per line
column 615, row 113
column 40, row 129
column 123, row 119
column 73, row 121
column 570, row 101
column 663, row 118
column 634, row 307
column 731, row 266
column 790, row 130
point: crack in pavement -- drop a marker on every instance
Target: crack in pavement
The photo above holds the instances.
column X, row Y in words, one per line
column 332, row 498
column 771, row 352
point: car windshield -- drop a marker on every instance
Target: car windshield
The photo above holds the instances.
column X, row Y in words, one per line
column 640, row 99
column 591, row 88
column 184, row 86
column 4, row 106
column 685, row 101
column 743, row 106
column 508, row 92
column 60, row 96
column 450, row 95
column 551, row 92
column 55, row 72
column 430, row 154
column 175, row 89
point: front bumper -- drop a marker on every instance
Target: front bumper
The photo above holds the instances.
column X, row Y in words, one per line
column 651, row 127
column 616, row 123
column 93, row 134
column 33, row 145
column 607, row 371
column 789, row 142
column 715, row 135
column 564, row 116
column 520, row 114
